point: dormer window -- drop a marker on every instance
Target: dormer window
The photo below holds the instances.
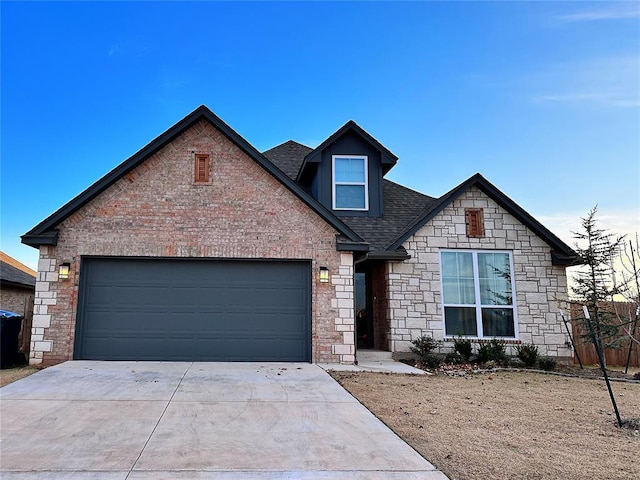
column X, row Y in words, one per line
column 350, row 185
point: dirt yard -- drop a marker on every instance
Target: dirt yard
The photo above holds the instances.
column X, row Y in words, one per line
column 507, row 425
column 10, row 375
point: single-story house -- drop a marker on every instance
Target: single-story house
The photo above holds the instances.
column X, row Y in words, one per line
column 17, row 289
column 17, row 283
column 201, row 248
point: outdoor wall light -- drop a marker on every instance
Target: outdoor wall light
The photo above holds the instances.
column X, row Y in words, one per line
column 324, row 275
column 63, row 270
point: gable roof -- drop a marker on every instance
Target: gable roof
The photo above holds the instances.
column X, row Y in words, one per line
column 14, row 273
column 561, row 253
column 15, row 263
column 401, row 204
column 387, row 157
column 45, row 233
column 406, row 211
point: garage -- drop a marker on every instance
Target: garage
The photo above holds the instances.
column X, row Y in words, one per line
column 193, row 310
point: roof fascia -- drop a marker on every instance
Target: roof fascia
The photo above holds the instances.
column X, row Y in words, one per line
column 395, row 256
column 41, row 234
column 565, row 255
column 347, row 246
column 23, row 286
column 49, row 237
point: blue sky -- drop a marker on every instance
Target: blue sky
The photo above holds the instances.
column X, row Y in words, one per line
column 542, row 98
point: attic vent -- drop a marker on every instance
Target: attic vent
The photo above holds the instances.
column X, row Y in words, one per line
column 474, row 219
column 202, row 167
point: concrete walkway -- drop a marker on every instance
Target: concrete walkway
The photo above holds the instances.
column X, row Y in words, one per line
column 374, row 361
column 157, row 420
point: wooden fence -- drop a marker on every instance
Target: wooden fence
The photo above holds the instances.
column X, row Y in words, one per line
column 24, row 338
column 613, row 356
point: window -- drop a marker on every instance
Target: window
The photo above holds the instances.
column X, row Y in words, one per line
column 475, row 222
column 477, row 293
column 350, row 187
column 202, row 167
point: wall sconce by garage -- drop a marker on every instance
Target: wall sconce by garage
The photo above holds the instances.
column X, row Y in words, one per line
column 63, row 270
column 324, row 275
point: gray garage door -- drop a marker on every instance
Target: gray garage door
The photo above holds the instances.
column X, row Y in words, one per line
column 193, row 310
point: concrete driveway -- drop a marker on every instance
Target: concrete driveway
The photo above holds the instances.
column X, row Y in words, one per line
column 164, row 420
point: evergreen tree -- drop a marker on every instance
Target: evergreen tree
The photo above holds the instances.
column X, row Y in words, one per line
column 595, row 289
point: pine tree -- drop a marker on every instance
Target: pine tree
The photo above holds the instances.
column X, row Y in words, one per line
column 594, row 288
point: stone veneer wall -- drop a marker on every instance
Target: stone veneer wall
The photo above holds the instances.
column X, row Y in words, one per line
column 415, row 300
column 157, row 210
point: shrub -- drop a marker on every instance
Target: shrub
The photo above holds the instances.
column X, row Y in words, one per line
column 423, row 348
column 528, row 354
column 454, row 357
column 431, row 360
column 494, row 350
column 547, row 363
column 424, row 345
column 463, row 347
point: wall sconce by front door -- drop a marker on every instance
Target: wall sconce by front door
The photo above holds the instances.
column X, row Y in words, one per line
column 63, row 270
column 324, row 275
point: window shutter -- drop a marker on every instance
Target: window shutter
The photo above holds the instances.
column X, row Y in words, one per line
column 475, row 222
column 202, row 168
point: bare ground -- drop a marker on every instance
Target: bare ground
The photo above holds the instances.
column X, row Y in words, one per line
column 507, row 425
column 10, row 375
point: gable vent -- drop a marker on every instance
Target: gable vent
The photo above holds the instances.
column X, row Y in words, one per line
column 474, row 219
column 202, row 167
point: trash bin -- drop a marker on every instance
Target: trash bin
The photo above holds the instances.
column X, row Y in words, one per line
column 10, row 324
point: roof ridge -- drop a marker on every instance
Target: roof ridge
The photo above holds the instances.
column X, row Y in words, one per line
column 404, row 187
column 285, row 143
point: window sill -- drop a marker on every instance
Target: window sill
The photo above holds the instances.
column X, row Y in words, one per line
column 508, row 341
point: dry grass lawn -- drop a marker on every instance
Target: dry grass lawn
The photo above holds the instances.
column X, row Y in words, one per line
column 507, row 425
column 10, row 375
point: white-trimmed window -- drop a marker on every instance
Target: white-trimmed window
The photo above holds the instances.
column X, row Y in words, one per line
column 478, row 292
column 350, row 184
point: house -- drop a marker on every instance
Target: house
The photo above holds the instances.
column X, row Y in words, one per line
column 17, row 288
column 18, row 284
column 199, row 247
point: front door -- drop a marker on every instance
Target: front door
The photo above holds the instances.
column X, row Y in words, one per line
column 364, row 319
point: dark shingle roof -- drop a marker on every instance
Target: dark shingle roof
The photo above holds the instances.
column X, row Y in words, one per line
column 288, row 157
column 402, row 206
column 13, row 275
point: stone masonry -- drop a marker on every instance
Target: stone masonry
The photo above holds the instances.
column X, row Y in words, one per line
column 415, row 300
column 157, row 210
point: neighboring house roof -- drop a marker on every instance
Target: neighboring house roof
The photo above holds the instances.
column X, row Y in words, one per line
column 561, row 254
column 45, row 232
column 15, row 263
column 14, row 273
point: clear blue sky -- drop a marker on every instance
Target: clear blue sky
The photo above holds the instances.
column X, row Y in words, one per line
column 542, row 98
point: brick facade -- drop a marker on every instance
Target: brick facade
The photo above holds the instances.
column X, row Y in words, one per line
column 157, row 210
column 15, row 299
column 414, row 291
